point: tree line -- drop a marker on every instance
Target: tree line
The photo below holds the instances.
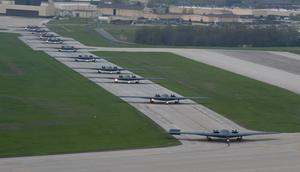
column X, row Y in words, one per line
column 229, row 3
column 225, row 35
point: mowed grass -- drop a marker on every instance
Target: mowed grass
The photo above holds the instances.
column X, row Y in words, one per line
column 83, row 33
column 46, row 108
column 250, row 103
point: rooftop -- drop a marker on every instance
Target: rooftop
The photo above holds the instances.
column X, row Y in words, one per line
column 136, row 6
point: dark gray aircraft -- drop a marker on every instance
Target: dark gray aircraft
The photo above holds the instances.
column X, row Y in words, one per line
column 110, row 69
column 54, row 40
column 129, row 78
column 38, row 30
column 86, row 58
column 223, row 134
column 165, row 98
column 107, row 69
column 67, row 48
column 83, row 58
column 47, row 35
column 31, row 28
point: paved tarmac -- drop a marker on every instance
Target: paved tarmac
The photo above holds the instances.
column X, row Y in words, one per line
column 269, row 153
column 265, row 154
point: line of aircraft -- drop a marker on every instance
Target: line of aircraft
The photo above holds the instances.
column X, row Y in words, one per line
column 51, row 38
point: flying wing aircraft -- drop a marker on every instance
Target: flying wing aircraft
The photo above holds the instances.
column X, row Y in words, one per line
column 67, row 48
column 128, row 78
column 31, row 28
column 83, row 58
column 54, row 40
column 224, row 134
column 86, row 58
column 107, row 69
column 166, row 98
column 47, row 35
column 38, row 30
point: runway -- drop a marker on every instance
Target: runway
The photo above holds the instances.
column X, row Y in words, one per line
column 267, row 154
column 280, row 69
column 280, row 152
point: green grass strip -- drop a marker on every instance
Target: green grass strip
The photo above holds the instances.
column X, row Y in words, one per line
column 46, row 108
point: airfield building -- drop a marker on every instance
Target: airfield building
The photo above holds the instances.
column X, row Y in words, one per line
column 77, row 9
column 27, row 8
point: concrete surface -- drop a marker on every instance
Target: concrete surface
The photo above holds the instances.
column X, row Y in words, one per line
column 269, row 153
column 264, row 154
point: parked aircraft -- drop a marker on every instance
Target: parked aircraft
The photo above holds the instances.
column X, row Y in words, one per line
column 107, row 69
column 83, row 58
column 223, row 134
column 128, row 78
column 165, row 98
column 38, row 30
column 47, row 35
column 54, row 40
column 67, row 48
column 31, row 28
column 110, row 69
column 86, row 58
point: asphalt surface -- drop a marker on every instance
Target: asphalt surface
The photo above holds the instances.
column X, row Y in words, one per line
column 270, row 59
column 280, row 152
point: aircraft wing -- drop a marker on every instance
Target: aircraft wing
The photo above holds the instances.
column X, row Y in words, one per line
column 74, row 57
column 182, row 98
column 178, row 132
column 241, row 134
column 141, row 97
column 102, row 77
column 39, row 39
column 125, row 79
column 150, row 78
column 61, row 43
column 92, row 68
column 87, row 48
column 50, row 47
column 77, row 48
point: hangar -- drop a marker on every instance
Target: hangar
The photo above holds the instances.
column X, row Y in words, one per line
column 27, row 8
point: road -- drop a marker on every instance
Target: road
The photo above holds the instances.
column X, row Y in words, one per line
column 271, row 153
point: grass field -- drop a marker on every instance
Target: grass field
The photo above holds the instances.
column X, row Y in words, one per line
column 85, row 32
column 82, row 32
column 253, row 104
column 46, row 108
